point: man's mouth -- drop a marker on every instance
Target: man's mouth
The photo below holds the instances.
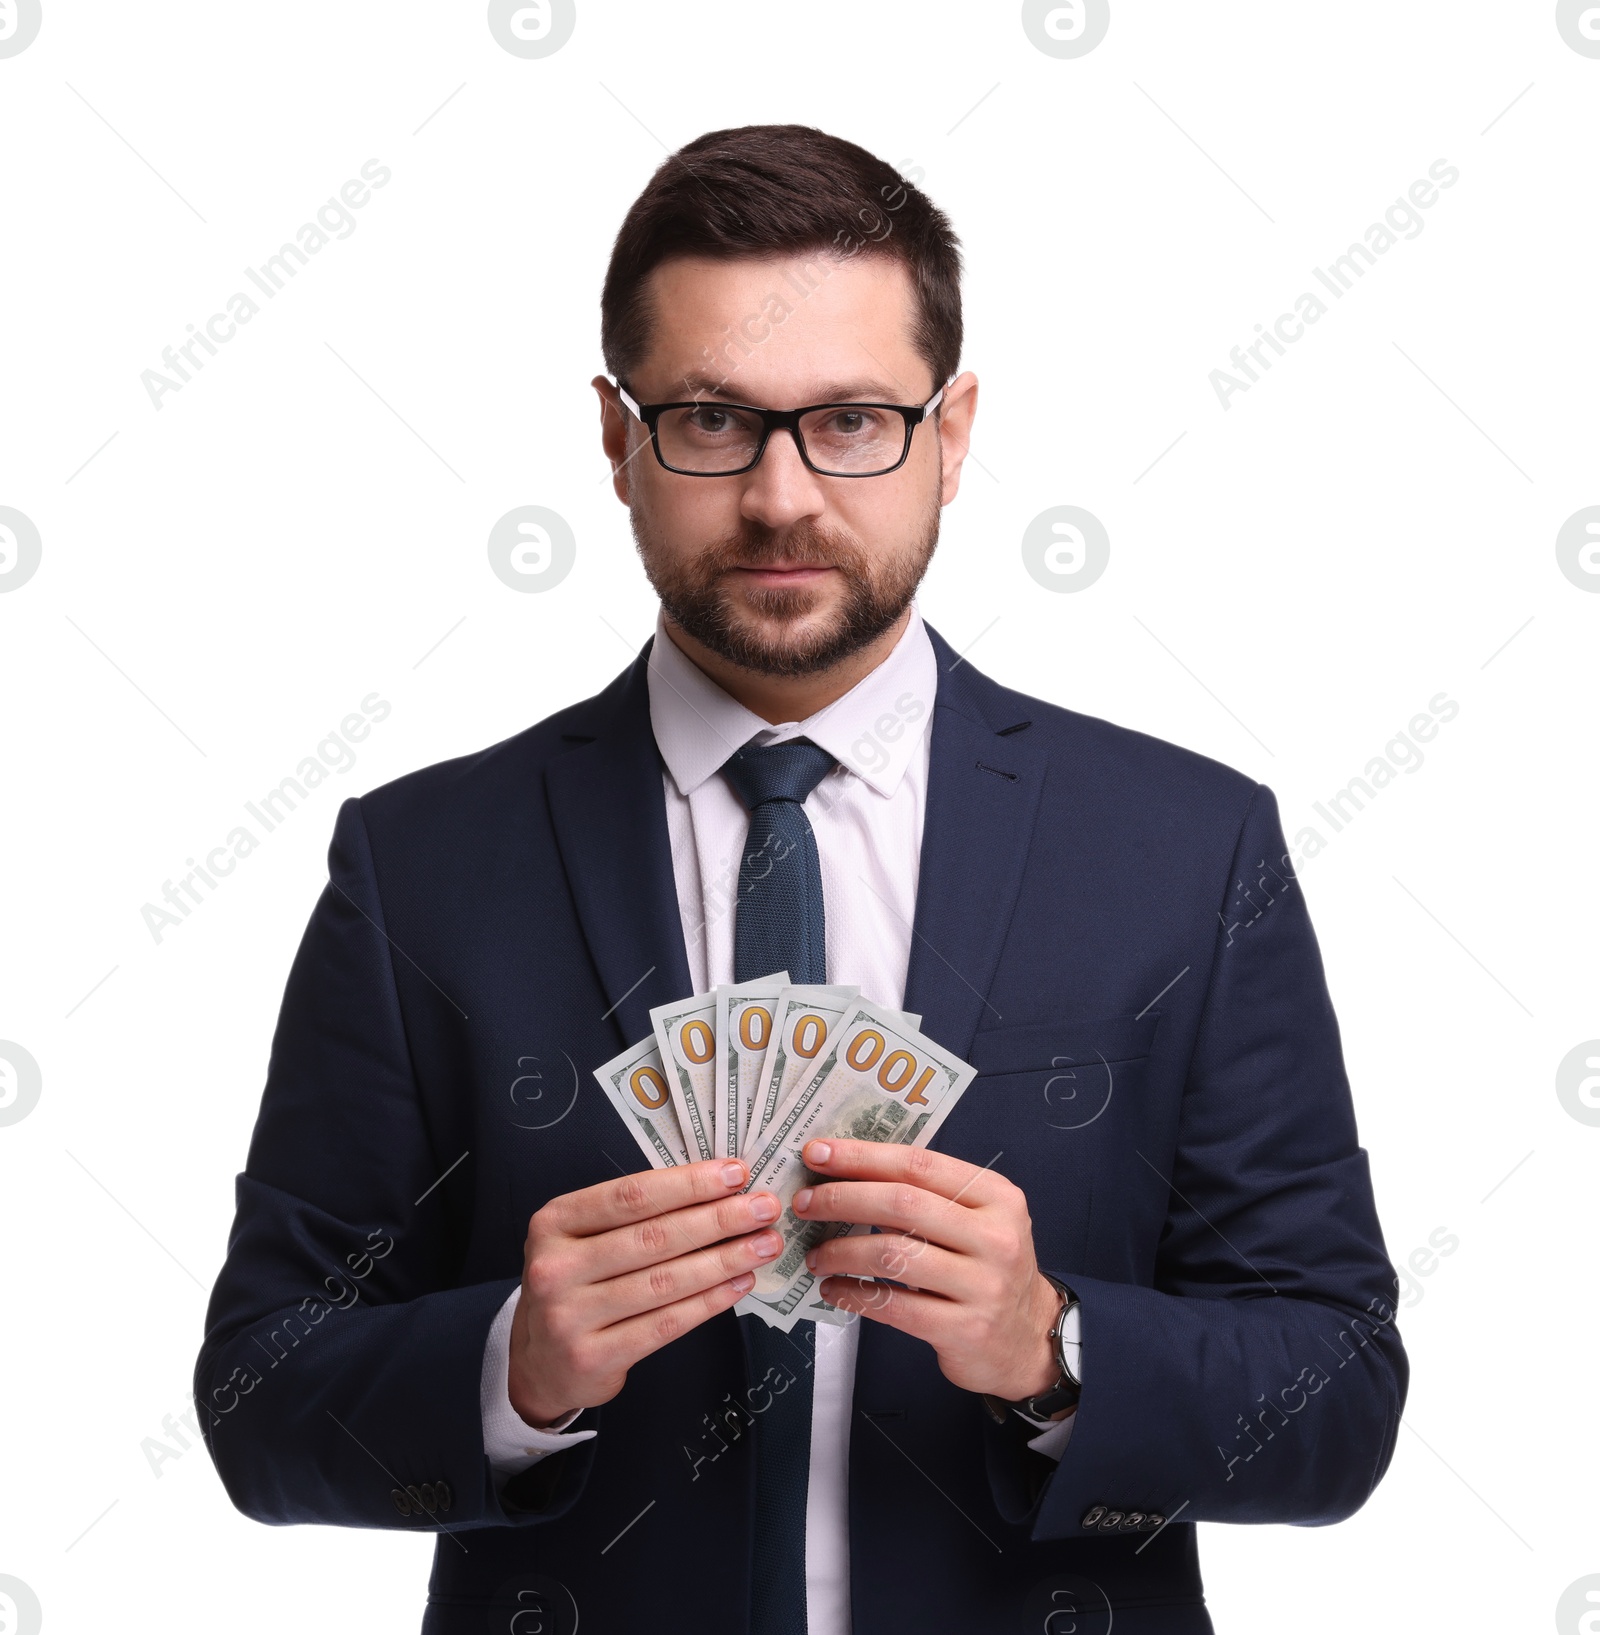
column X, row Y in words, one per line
column 770, row 574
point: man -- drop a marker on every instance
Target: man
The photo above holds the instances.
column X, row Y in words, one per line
column 1137, row 1282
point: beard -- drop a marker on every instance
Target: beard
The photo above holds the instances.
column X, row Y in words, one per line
column 777, row 631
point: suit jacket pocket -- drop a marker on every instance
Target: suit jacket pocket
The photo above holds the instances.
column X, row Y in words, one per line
column 1031, row 1045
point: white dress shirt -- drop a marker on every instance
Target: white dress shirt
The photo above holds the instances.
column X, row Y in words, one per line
column 867, row 818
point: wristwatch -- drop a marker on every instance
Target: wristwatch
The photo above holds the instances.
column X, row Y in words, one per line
column 1066, row 1348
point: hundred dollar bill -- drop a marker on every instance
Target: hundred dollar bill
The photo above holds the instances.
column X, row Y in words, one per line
column 803, row 1016
column 687, row 1034
column 876, row 1079
column 744, row 1030
column 801, row 1028
column 635, row 1084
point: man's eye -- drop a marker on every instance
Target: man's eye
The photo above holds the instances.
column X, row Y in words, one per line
column 708, row 420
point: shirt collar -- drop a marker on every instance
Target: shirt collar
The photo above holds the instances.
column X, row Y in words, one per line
column 872, row 731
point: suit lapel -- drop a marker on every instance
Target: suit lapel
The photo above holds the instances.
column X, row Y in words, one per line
column 610, row 819
column 983, row 797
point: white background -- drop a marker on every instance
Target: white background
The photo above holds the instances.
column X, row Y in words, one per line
column 1372, row 524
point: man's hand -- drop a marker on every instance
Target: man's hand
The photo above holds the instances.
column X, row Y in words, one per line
column 960, row 1237
column 614, row 1272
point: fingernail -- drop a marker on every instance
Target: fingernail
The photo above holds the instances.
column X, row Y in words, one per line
column 765, row 1208
column 802, row 1200
column 818, row 1153
column 767, row 1245
column 743, row 1283
column 732, row 1175
column 811, row 1260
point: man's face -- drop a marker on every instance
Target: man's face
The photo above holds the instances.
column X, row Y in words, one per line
column 779, row 570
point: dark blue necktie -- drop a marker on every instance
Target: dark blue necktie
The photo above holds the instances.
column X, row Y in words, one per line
column 779, row 926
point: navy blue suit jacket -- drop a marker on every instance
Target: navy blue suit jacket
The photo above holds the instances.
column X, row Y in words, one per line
column 1107, row 927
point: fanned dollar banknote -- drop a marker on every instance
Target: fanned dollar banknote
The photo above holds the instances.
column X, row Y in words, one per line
column 635, row 1084
column 870, row 1075
column 801, row 1019
column 687, row 1035
column 744, row 1031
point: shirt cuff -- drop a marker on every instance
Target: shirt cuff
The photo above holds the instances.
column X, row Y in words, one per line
column 509, row 1442
column 1052, row 1443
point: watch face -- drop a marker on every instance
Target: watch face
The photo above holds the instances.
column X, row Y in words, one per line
column 1069, row 1348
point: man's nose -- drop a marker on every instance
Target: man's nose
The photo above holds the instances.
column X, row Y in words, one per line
column 782, row 489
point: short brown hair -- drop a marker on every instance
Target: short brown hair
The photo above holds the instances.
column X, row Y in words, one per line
column 767, row 190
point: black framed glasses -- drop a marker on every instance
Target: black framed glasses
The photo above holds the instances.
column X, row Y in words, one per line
column 708, row 438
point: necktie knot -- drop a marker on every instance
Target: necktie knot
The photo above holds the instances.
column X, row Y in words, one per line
column 787, row 771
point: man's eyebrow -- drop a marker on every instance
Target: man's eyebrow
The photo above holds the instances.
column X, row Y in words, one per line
column 725, row 388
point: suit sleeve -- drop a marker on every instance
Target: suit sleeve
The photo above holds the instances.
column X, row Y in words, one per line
column 1261, row 1377
column 340, row 1375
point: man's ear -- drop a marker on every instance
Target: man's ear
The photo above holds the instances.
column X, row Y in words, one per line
column 957, row 409
column 614, row 419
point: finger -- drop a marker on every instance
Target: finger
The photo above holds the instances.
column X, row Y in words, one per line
column 638, row 1337
column 665, row 1237
column 904, row 1258
column 637, row 1197
column 952, row 1178
column 604, row 1304
column 927, row 1317
column 896, row 1205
